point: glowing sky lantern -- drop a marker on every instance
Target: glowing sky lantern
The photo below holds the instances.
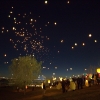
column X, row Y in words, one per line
column 90, row 35
column 62, row 41
column 11, row 12
column 8, row 15
column 5, row 55
column 46, row 2
column 95, row 40
column 53, row 73
column 44, row 67
column 70, row 68
column 55, row 67
column 83, row 44
column 72, row 47
column 31, row 19
column 14, row 18
column 55, row 23
column 67, row 69
column 14, row 28
column 75, row 44
column 67, row 1
column 3, row 28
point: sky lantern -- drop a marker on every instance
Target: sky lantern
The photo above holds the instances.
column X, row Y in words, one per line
column 53, row 73
column 90, row 35
column 55, row 23
column 95, row 41
column 46, row 2
column 67, row 1
column 98, row 70
column 5, row 55
column 72, row 47
column 75, row 44
column 83, row 44
column 62, row 41
column 70, row 68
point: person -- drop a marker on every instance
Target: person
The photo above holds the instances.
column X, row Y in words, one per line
column 63, row 86
column 67, row 85
column 89, row 81
column 80, row 82
column 44, row 88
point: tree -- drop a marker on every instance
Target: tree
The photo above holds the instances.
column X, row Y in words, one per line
column 25, row 69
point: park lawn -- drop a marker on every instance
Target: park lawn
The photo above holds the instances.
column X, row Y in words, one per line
column 87, row 93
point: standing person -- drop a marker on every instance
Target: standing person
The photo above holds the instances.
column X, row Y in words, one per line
column 81, row 82
column 78, row 82
column 68, row 84
column 44, row 88
column 63, row 86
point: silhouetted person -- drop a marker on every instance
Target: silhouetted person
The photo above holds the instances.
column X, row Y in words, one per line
column 80, row 83
column 63, row 86
column 44, row 88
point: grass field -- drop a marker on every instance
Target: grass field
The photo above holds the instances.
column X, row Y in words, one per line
column 87, row 93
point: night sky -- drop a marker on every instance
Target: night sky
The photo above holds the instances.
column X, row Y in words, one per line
column 63, row 34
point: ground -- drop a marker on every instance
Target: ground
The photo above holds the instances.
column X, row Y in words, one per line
column 87, row 93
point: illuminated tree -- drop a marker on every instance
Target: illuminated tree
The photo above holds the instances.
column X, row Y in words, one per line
column 25, row 69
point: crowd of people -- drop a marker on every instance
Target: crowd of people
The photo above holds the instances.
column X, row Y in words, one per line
column 75, row 83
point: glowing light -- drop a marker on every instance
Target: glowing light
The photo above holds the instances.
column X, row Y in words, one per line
column 75, row 44
column 53, row 73
column 3, row 28
column 72, row 47
column 62, row 41
column 8, row 15
column 44, row 67
column 95, row 40
column 90, row 35
column 46, row 2
column 70, row 68
column 11, row 12
column 31, row 19
column 67, row 1
column 98, row 70
column 83, row 44
column 48, row 81
column 5, row 55
column 55, row 23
